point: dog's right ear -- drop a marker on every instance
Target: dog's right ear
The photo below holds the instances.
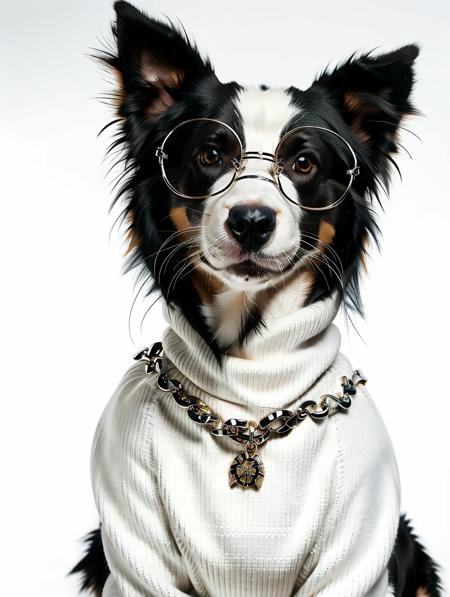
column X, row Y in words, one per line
column 154, row 63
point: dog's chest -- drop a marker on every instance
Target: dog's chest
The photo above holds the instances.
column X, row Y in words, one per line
column 262, row 538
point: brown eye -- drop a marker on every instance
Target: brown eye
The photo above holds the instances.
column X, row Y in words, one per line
column 209, row 157
column 303, row 165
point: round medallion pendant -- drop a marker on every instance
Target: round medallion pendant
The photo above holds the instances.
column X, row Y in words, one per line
column 246, row 471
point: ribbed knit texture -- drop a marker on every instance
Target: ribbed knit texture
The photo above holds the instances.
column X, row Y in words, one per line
column 323, row 522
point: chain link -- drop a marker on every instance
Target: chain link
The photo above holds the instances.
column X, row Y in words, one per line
column 243, row 431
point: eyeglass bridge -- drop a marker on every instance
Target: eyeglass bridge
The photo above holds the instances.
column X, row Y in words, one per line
column 263, row 156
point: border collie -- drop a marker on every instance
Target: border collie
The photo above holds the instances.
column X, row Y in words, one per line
column 250, row 211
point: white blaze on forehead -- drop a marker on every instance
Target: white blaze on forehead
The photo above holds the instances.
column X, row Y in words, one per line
column 264, row 115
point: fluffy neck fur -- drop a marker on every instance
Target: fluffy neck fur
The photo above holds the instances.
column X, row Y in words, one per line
column 232, row 311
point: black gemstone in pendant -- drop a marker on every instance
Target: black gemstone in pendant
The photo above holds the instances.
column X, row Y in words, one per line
column 246, row 471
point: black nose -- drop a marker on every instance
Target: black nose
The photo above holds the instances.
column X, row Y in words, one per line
column 251, row 225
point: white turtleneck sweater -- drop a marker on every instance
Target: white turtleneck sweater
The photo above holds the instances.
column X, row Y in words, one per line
column 323, row 522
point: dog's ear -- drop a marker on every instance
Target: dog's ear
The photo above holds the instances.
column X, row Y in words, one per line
column 154, row 62
column 372, row 94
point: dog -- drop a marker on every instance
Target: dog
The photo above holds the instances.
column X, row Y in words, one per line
column 250, row 211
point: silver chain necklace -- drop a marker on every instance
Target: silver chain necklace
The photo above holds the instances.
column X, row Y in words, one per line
column 247, row 469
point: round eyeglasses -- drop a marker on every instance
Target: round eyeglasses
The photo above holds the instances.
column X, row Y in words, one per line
column 313, row 167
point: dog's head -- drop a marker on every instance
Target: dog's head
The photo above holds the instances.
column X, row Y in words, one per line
column 233, row 193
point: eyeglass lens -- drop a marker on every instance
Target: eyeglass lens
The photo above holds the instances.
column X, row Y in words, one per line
column 202, row 157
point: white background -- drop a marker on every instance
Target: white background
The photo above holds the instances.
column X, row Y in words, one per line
column 67, row 303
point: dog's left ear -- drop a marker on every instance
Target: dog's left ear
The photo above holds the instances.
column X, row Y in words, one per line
column 155, row 61
column 373, row 95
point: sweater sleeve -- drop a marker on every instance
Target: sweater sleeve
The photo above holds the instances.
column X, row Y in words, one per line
column 141, row 551
column 360, row 522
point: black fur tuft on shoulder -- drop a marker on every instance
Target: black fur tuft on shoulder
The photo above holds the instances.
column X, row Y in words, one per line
column 410, row 568
column 93, row 567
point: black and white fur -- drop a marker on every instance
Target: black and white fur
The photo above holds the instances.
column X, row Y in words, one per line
column 226, row 288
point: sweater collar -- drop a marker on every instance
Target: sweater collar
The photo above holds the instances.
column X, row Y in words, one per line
column 282, row 360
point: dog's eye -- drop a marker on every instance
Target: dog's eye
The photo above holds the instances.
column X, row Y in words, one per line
column 209, row 156
column 304, row 165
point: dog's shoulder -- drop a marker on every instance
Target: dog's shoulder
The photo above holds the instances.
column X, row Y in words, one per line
column 135, row 390
column 123, row 430
column 360, row 432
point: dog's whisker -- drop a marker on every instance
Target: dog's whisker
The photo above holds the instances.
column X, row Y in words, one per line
column 133, row 304
column 170, row 238
column 397, row 126
column 177, row 274
column 176, row 277
column 323, row 259
column 160, row 250
column 326, row 262
column 147, row 311
column 326, row 246
column 189, row 244
column 321, row 254
column 315, row 267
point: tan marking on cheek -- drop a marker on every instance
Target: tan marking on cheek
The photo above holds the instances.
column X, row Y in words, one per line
column 206, row 284
column 326, row 233
column 181, row 222
column 421, row 592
